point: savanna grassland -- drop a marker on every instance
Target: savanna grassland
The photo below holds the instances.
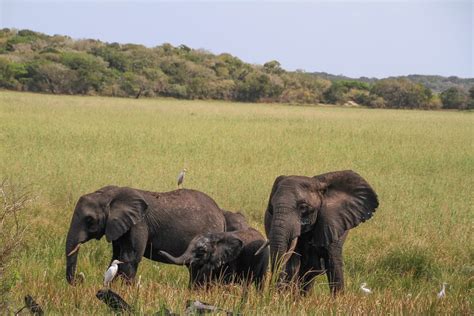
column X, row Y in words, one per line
column 420, row 163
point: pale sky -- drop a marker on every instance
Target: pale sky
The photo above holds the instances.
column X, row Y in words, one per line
column 354, row 38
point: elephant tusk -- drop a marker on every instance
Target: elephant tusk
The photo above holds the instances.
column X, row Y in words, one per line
column 290, row 251
column 74, row 250
column 293, row 245
column 265, row 245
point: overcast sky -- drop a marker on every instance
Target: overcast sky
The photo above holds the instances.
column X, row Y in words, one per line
column 354, row 38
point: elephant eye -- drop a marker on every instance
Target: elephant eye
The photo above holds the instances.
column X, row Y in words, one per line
column 303, row 207
column 89, row 220
column 91, row 223
column 200, row 252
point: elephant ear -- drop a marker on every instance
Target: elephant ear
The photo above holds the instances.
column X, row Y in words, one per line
column 347, row 201
column 126, row 208
column 227, row 248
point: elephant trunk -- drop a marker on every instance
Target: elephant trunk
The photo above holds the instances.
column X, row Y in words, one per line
column 284, row 234
column 72, row 250
column 75, row 238
column 181, row 260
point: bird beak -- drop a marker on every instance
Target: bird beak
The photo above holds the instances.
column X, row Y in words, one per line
column 120, row 262
column 74, row 250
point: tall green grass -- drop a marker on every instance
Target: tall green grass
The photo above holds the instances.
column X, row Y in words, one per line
column 420, row 163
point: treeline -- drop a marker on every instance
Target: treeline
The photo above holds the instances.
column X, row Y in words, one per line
column 32, row 61
column 437, row 84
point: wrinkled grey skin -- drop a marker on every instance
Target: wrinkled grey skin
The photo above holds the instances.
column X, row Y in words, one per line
column 228, row 256
column 141, row 223
column 318, row 211
column 235, row 221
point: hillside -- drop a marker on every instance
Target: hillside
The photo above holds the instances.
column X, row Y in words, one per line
column 57, row 64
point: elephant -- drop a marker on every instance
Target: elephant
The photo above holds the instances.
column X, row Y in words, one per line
column 140, row 223
column 226, row 256
column 235, row 221
column 307, row 221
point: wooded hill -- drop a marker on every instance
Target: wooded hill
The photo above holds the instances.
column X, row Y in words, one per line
column 437, row 84
column 58, row 64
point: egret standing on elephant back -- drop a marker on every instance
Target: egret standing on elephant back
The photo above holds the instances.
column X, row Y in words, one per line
column 181, row 178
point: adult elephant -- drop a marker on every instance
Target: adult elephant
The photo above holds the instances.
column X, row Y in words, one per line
column 140, row 223
column 307, row 221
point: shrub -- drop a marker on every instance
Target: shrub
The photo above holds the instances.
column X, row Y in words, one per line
column 13, row 201
column 454, row 98
column 402, row 93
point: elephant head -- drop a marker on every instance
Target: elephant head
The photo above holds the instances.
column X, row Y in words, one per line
column 209, row 252
column 110, row 211
column 324, row 206
column 235, row 221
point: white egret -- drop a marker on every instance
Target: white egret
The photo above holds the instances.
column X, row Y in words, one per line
column 442, row 293
column 139, row 283
column 81, row 277
column 181, row 177
column 200, row 308
column 364, row 289
column 111, row 272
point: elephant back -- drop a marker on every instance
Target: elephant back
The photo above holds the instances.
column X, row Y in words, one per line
column 176, row 217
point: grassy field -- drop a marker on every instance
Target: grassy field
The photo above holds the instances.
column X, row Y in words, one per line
column 420, row 163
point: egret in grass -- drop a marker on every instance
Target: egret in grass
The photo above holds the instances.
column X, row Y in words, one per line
column 181, row 177
column 111, row 272
column 81, row 278
column 200, row 308
column 442, row 293
column 364, row 289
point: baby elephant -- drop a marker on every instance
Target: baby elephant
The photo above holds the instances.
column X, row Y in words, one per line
column 227, row 256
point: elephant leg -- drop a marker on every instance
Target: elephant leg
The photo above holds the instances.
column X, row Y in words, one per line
column 115, row 251
column 334, row 265
column 132, row 247
column 259, row 279
column 311, row 267
column 193, row 277
column 289, row 277
column 198, row 277
column 291, row 269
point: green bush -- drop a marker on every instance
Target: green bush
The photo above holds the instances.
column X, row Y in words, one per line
column 454, row 98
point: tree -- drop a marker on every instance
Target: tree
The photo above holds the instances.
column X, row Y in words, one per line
column 402, row 93
column 273, row 67
column 90, row 70
column 454, row 98
column 336, row 93
column 470, row 104
column 256, row 86
column 11, row 74
column 51, row 77
column 134, row 85
column 115, row 58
